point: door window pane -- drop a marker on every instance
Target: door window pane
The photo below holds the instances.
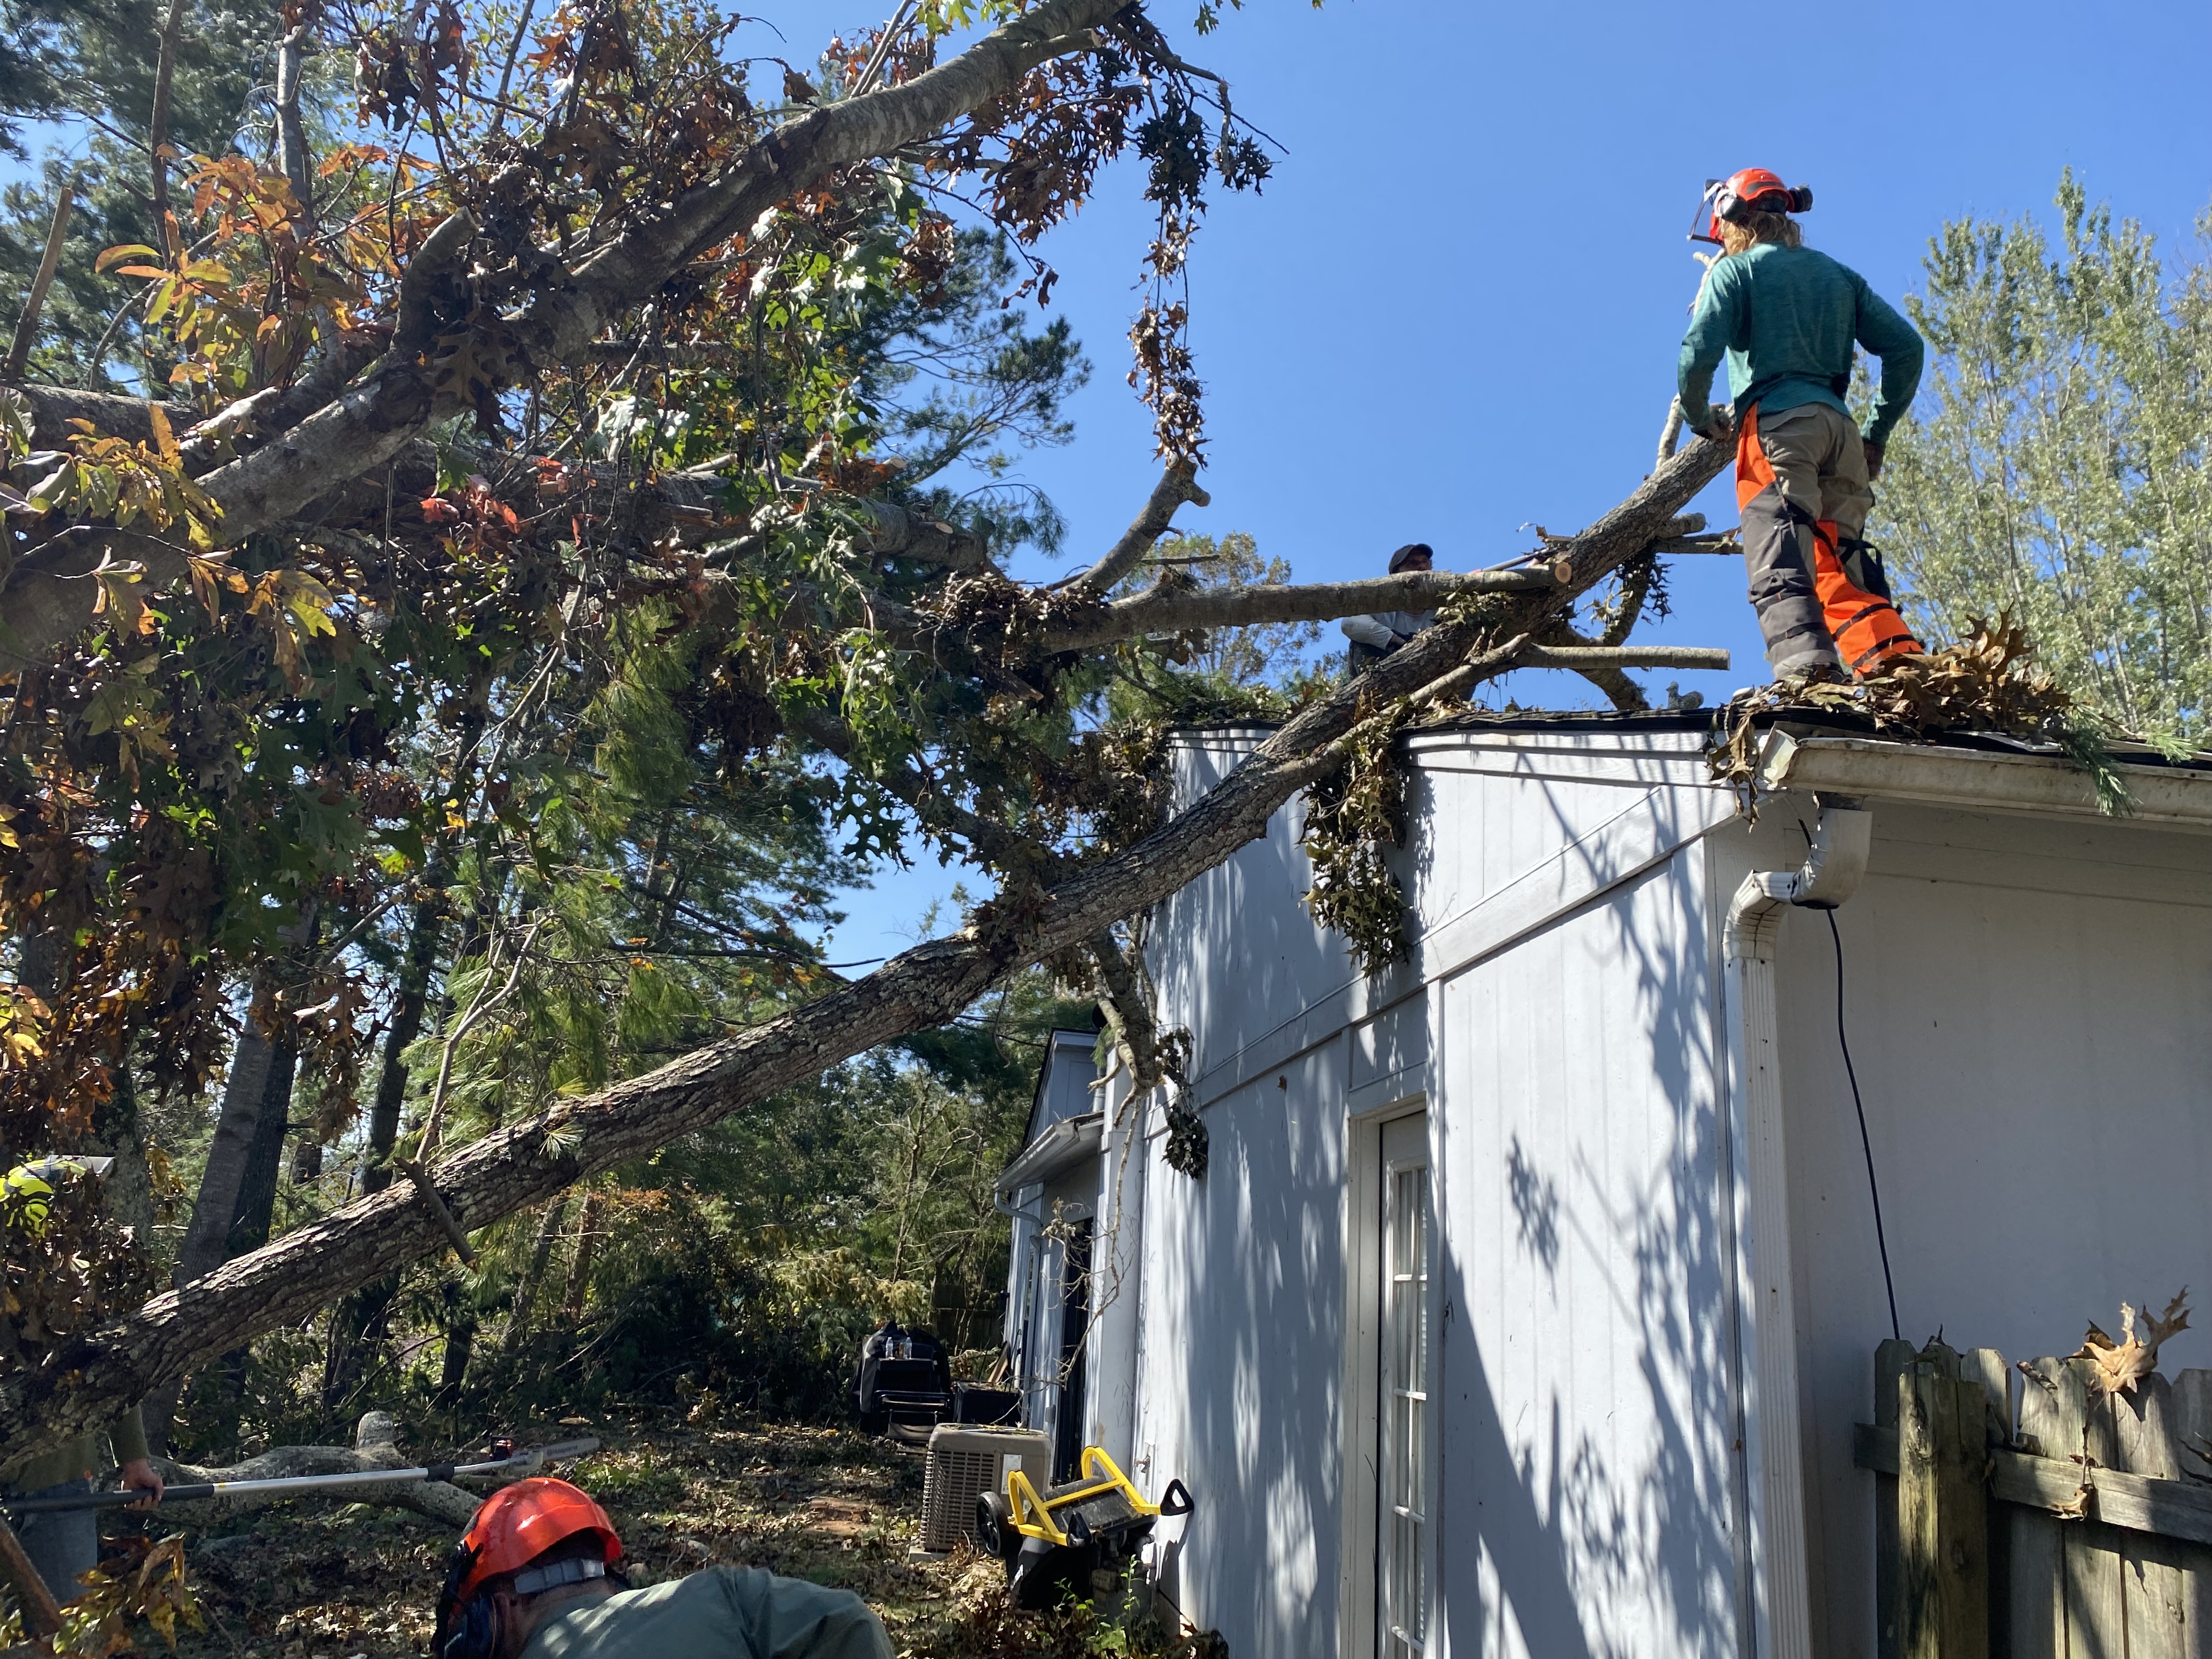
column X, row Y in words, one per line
column 1402, row 1581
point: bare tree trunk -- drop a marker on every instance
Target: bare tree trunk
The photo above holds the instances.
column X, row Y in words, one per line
column 294, row 159
column 358, row 1323
column 228, row 1153
column 460, row 1342
column 256, row 1208
column 238, row 1188
column 579, row 1265
column 533, row 1274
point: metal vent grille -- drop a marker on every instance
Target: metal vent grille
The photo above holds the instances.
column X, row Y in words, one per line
column 965, row 1463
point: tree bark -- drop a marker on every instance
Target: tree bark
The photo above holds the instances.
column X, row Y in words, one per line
column 527, row 1162
column 294, row 159
column 264, row 1155
column 460, row 1323
column 375, row 1447
column 223, row 1178
column 533, row 1274
column 579, row 1265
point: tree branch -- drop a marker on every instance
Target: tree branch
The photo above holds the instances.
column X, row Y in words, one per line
column 294, row 159
column 1582, row 657
column 1172, row 610
column 27, row 326
column 374, row 419
column 157, row 134
column 1178, row 485
column 84, row 1381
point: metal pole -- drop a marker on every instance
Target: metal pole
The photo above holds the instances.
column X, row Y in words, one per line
column 523, row 1463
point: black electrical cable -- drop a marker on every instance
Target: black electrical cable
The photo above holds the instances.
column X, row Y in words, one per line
column 1866, row 1142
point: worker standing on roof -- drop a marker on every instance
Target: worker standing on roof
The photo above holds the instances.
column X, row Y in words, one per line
column 535, row 1575
column 1374, row 637
column 1787, row 318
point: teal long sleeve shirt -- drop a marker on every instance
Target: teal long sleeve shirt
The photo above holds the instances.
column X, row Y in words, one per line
column 1786, row 319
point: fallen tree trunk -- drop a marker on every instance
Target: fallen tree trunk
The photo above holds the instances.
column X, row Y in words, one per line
column 375, row 1446
column 84, row 1382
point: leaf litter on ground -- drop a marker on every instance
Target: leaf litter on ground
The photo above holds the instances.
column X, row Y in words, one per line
column 333, row 1579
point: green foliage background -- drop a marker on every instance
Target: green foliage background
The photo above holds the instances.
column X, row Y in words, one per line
column 2056, row 466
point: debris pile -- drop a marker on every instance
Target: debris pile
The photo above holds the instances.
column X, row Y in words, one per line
column 1989, row 682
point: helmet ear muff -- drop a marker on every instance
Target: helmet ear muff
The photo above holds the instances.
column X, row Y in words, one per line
column 482, row 1632
column 466, row 1630
column 1800, row 198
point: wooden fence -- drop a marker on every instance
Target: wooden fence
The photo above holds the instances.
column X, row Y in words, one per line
column 2021, row 1513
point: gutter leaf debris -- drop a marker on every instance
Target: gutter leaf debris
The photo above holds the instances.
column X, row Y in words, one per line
column 1987, row 682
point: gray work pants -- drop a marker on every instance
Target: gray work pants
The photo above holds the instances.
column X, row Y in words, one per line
column 1811, row 469
column 62, row 1544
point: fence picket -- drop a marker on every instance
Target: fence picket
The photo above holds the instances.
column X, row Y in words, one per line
column 1890, row 1359
column 1960, row 1571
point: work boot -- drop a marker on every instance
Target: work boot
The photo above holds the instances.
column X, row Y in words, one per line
column 1820, row 667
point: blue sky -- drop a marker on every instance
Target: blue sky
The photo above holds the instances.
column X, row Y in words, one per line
column 1455, row 310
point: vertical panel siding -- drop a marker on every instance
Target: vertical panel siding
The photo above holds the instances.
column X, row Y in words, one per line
column 1243, row 1300
column 1585, row 1412
column 2030, row 1010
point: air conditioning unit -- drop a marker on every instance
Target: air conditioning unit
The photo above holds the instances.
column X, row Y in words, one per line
column 965, row 1462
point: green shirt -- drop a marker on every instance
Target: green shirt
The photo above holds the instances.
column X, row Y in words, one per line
column 722, row 1612
column 86, row 1455
column 1786, row 318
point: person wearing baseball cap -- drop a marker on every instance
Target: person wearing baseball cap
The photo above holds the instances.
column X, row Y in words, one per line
column 64, row 1544
column 537, row 1576
column 1376, row 637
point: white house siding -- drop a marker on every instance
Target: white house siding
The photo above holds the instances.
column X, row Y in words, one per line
column 2030, row 1010
column 1242, row 1342
column 1117, row 1269
column 1242, row 1351
column 1586, row 1424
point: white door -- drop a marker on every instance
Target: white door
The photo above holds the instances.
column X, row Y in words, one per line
column 1401, row 1505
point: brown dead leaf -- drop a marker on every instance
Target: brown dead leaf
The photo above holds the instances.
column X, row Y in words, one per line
column 2120, row 1365
column 2173, row 1321
column 2075, row 1508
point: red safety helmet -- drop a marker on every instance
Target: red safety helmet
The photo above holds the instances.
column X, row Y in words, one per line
column 1754, row 190
column 517, row 1525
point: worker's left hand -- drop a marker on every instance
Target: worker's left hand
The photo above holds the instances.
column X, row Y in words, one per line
column 139, row 1475
column 1874, row 452
column 1719, row 425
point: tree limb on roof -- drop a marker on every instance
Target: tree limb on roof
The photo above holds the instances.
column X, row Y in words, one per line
column 86, row 1381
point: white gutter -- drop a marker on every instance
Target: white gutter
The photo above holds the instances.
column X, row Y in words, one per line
column 1978, row 779
column 1772, row 1472
column 1058, row 1149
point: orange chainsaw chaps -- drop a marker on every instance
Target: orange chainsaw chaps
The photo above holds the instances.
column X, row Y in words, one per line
column 1865, row 626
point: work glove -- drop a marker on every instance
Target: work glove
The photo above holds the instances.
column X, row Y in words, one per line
column 1874, row 453
column 1719, row 425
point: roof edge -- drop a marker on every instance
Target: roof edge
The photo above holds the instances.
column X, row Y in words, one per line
column 2169, row 796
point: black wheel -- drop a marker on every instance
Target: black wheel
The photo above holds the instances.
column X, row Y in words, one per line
column 875, row 1423
column 995, row 1527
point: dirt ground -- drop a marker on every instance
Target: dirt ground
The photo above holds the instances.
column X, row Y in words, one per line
column 326, row 1579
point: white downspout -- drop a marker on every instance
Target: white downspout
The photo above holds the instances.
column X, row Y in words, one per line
column 1766, row 1314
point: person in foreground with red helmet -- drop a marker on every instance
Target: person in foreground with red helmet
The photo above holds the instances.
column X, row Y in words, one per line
column 1786, row 318
column 535, row 1575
